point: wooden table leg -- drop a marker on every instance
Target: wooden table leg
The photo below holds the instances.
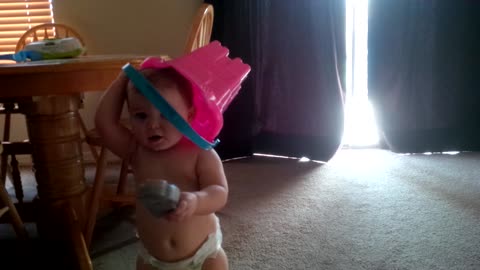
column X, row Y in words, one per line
column 55, row 136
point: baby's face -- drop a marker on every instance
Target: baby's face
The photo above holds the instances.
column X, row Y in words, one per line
column 149, row 126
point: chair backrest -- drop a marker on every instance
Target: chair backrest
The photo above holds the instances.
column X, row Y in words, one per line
column 201, row 29
column 47, row 31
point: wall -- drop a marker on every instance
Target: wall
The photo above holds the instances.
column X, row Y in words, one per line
column 151, row 27
column 122, row 26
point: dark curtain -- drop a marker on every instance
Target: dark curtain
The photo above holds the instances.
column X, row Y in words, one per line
column 423, row 61
column 291, row 103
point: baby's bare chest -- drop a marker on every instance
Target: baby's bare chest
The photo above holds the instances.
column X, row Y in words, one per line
column 178, row 169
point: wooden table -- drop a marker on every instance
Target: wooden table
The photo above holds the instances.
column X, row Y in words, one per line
column 47, row 93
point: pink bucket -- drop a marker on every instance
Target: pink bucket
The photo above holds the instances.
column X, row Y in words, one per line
column 215, row 81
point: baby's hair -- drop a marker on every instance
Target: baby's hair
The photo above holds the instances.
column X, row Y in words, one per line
column 167, row 78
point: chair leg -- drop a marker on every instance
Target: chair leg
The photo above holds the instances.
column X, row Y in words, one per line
column 122, row 182
column 83, row 127
column 16, row 180
column 96, row 194
column 3, row 169
column 6, row 138
column 17, row 223
column 6, row 125
column 121, row 199
column 77, row 239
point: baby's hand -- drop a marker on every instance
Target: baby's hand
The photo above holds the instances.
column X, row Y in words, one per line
column 187, row 205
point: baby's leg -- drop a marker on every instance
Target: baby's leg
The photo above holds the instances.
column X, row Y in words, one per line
column 220, row 262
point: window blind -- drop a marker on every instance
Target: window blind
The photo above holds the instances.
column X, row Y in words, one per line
column 16, row 17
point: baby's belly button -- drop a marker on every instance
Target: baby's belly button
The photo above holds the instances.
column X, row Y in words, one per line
column 168, row 244
column 172, row 244
column 169, row 250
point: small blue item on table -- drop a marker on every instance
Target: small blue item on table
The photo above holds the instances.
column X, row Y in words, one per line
column 23, row 56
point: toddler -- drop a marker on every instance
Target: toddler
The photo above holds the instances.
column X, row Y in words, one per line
column 188, row 237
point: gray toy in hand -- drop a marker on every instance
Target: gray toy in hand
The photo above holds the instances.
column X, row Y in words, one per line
column 159, row 197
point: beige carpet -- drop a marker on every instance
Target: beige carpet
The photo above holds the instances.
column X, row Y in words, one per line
column 365, row 209
column 362, row 210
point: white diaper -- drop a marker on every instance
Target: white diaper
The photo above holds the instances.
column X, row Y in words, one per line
column 209, row 249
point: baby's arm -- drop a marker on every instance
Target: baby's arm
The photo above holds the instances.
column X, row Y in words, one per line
column 213, row 192
column 115, row 136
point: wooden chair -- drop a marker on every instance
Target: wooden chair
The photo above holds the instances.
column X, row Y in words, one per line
column 12, row 149
column 120, row 198
column 200, row 33
column 6, row 205
column 47, row 31
column 201, row 29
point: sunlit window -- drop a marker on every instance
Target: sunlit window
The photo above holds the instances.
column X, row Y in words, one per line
column 16, row 17
column 360, row 127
